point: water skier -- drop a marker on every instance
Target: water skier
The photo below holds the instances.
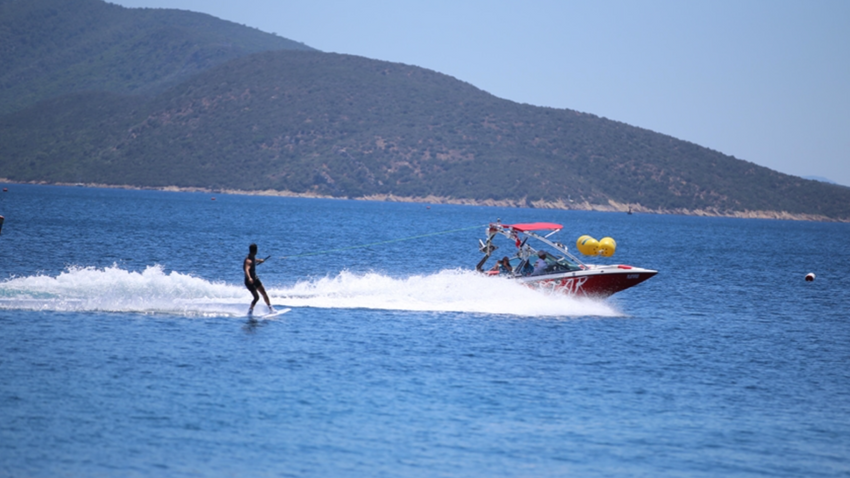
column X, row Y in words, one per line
column 252, row 282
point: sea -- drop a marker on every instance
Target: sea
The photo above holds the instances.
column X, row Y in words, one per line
column 125, row 348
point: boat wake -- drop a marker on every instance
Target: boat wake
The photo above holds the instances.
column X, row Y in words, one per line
column 446, row 291
column 153, row 291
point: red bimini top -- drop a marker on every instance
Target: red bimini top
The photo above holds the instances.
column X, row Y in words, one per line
column 534, row 226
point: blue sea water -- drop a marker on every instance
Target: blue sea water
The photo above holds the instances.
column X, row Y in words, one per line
column 125, row 350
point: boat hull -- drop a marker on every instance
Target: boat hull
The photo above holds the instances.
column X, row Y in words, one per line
column 598, row 283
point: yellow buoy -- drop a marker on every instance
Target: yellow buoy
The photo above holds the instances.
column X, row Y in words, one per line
column 607, row 246
column 587, row 245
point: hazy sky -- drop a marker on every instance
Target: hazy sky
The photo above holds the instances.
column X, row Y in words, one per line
column 766, row 81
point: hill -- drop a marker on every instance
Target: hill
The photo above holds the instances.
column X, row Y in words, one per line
column 49, row 48
column 96, row 93
column 345, row 126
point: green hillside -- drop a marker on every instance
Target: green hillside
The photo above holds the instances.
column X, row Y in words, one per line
column 49, row 48
column 319, row 123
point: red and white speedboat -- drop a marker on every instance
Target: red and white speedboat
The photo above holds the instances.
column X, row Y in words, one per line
column 562, row 271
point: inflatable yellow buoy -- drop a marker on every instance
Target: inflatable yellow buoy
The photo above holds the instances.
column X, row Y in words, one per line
column 607, row 246
column 587, row 245
column 591, row 247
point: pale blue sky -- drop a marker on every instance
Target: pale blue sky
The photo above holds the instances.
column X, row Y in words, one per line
column 767, row 81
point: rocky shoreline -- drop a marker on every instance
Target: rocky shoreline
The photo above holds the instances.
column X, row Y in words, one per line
column 559, row 204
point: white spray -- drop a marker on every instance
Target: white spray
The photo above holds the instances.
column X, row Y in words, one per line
column 112, row 289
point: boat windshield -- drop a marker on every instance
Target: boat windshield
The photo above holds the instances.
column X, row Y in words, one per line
column 555, row 265
column 561, row 264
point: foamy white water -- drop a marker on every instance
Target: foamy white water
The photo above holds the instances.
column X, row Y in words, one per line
column 113, row 289
column 154, row 291
column 447, row 291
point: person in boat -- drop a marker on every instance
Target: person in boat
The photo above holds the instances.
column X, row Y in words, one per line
column 503, row 266
column 252, row 282
column 541, row 265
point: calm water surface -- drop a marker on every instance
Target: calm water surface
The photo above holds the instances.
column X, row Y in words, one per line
column 125, row 351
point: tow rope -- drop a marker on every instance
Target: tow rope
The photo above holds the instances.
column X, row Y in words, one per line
column 371, row 244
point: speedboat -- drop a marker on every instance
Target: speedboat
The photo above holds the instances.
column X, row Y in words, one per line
column 555, row 269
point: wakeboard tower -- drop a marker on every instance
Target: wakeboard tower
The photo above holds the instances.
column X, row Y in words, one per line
column 563, row 272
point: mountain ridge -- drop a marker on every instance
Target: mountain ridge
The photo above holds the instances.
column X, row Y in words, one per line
column 55, row 47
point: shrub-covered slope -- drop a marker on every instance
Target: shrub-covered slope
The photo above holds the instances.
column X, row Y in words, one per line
column 312, row 122
column 49, row 48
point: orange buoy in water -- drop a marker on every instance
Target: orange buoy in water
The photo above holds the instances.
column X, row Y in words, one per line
column 810, row 277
